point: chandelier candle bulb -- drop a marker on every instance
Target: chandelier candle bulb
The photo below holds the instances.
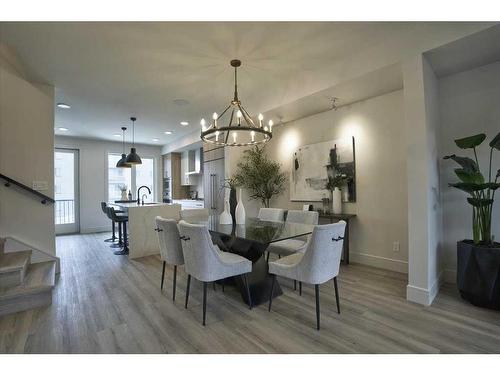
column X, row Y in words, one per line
column 238, row 114
column 260, row 119
column 214, row 116
column 234, row 136
column 202, row 122
column 271, row 125
column 252, row 134
column 217, row 136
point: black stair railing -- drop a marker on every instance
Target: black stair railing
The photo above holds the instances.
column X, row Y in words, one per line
column 44, row 199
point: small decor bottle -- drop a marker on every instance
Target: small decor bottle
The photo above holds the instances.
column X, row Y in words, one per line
column 240, row 210
column 129, row 195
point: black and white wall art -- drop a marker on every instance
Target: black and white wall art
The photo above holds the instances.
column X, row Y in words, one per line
column 313, row 164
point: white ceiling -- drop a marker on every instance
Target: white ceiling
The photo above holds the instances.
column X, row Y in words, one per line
column 475, row 50
column 110, row 71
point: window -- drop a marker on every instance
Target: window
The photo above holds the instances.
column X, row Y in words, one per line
column 144, row 175
column 132, row 178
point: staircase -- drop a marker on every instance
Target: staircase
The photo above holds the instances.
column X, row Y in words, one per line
column 23, row 285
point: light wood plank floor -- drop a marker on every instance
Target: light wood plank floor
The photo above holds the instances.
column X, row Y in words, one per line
column 107, row 304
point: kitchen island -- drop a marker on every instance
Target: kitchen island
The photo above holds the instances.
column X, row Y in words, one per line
column 143, row 239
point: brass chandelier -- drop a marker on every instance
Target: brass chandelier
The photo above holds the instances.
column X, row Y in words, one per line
column 241, row 130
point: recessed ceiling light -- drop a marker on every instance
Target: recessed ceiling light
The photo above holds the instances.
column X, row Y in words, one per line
column 117, row 135
column 155, row 139
column 63, row 129
column 168, row 132
column 63, row 105
column 184, row 123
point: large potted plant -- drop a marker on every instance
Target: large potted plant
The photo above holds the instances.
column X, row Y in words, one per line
column 261, row 176
column 478, row 260
column 334, row 184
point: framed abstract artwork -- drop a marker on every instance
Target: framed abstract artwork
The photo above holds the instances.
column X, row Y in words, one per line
column 313, row 164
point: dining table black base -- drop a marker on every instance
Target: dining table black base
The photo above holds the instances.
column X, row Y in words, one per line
column 259, row 280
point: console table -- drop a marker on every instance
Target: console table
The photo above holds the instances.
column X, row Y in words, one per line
column 333, row 218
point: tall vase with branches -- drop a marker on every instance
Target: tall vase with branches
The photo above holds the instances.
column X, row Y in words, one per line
column 261, row 176
column 473, row 182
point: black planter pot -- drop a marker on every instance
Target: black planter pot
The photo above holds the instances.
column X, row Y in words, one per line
column 478, row 274
column 232, row 204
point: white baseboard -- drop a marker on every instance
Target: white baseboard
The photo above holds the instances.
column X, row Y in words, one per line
column 424, row 296
column 379, row 262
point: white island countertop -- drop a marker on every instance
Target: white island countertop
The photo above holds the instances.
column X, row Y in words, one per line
column 143, row 239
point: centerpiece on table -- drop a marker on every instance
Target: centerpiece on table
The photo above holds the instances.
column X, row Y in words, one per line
column 260, row 176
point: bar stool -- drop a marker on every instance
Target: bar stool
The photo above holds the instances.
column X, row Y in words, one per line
column 122, row 227
column 104, row 209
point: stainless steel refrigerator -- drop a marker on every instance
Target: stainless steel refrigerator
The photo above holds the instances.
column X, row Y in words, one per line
column 213, row 180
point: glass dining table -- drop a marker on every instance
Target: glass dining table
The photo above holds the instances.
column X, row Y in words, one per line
column 250, row 240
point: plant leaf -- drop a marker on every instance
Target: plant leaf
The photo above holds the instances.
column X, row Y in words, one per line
column 470, row 142
column 496, row 142
column 469, row 177
column 476, row 202
column 467, row 164
column 492, row 185
column 498, row 173
column 468, row 187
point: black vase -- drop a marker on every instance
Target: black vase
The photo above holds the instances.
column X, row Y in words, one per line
column 232, row 204
column 478, row 274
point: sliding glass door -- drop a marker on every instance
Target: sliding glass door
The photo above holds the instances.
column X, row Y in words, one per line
column 66, row 190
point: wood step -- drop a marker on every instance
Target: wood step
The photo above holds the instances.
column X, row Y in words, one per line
column 13, row 268
column 36, row 291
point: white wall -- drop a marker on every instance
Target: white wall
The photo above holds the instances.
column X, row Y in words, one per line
column 469, row 103
column 378, row 127
column 26, row 155
column 93, row 171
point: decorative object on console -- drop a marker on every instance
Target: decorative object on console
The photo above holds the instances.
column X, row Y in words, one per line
column 240, row 210
column 261, row 176
column 313, row 166
column 333, row 185
column 478, row 260
column 235, row 133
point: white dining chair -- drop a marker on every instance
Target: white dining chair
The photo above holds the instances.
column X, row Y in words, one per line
column 293, row 245
column 271, row 214
column 207, row 263
column 317, row 265
column 170, row 247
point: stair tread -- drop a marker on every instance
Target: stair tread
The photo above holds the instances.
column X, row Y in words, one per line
column 39, row 277
column 14, row 261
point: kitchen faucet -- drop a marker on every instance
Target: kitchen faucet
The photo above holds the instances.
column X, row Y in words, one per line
column 139, row 194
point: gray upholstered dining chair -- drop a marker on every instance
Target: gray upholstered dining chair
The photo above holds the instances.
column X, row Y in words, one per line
column 170, row 247
column 197, row 215
column 293, row 245
column 205, row 262
column 318, row 264
column 271, row 214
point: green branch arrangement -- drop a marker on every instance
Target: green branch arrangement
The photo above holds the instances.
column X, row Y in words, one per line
column 338, row 181
column 472, row 181
column 261, row 176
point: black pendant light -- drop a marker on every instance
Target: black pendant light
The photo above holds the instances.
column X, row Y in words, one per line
column 122, row 163
column 133, row 157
